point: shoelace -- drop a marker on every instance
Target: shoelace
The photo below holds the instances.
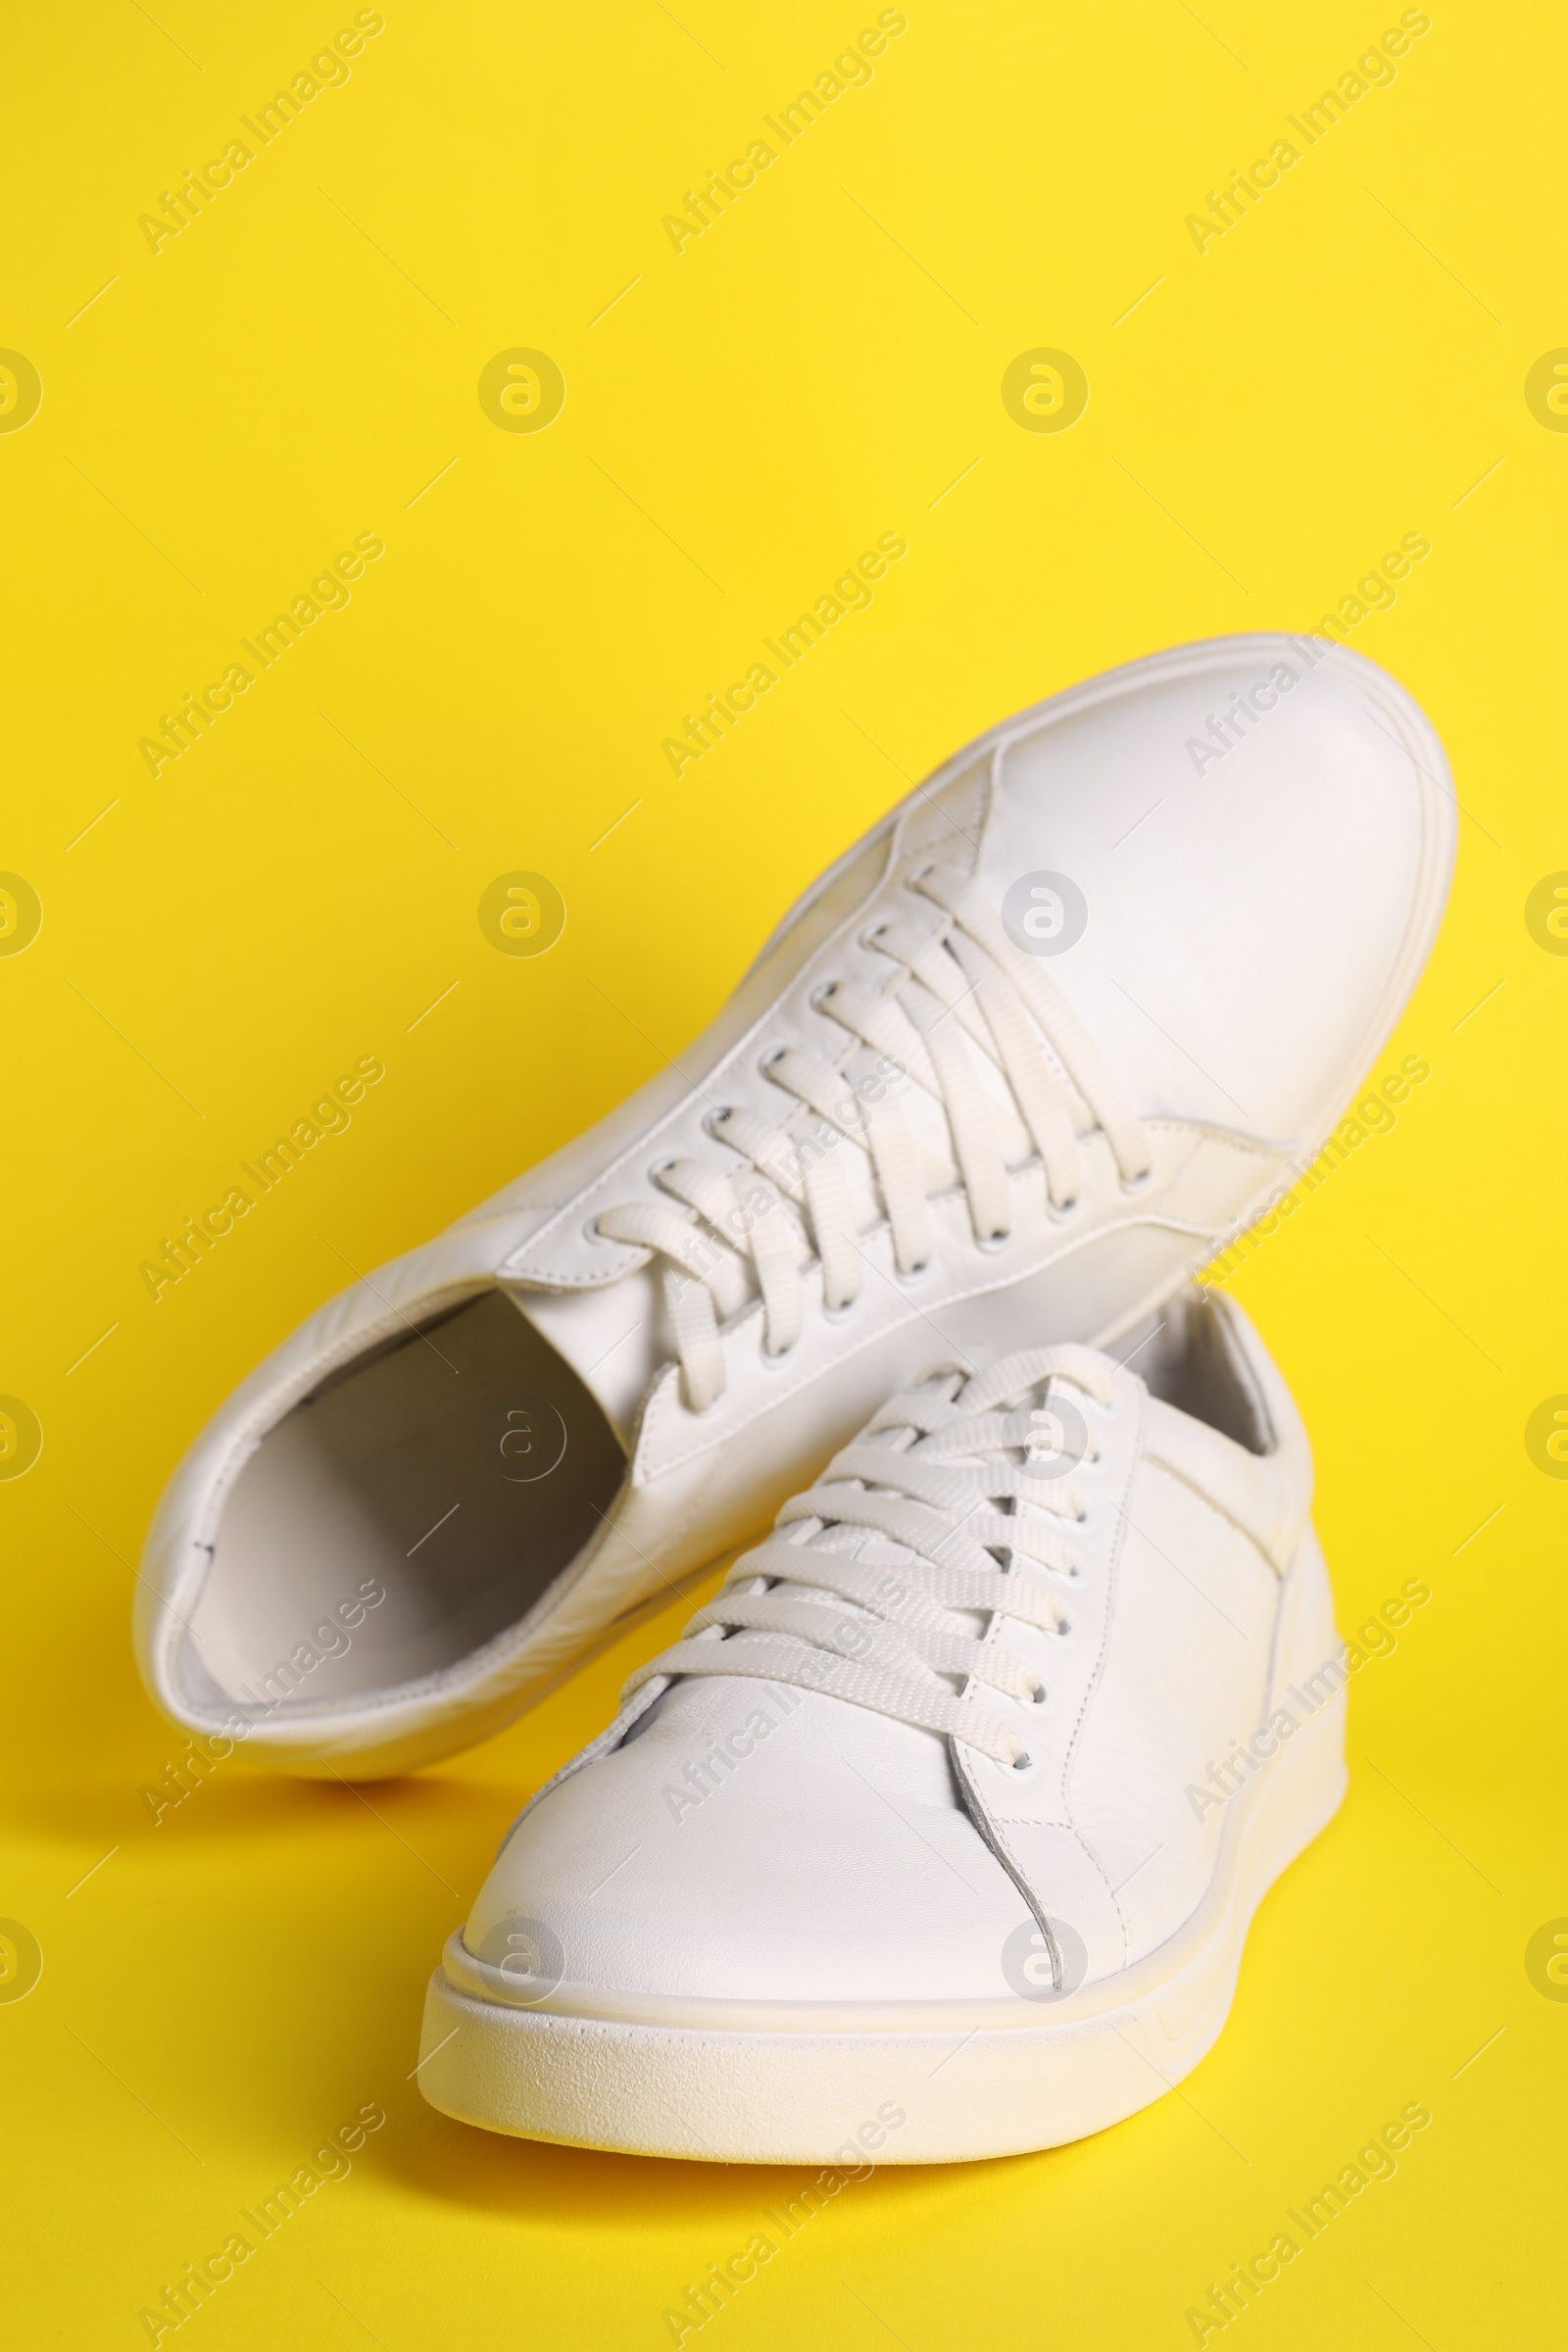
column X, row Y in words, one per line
column 857, row 1592
column 799, row 1206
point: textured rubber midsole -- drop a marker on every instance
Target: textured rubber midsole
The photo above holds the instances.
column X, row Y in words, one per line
column 827, row 2097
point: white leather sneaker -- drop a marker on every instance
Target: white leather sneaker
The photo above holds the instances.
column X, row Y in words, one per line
column 1043, row 1042
column 938, row 1834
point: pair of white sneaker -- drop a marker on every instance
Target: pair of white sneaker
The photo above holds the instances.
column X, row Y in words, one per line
column 955, row 1805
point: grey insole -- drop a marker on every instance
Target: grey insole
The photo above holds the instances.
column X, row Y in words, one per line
column 456, row 1470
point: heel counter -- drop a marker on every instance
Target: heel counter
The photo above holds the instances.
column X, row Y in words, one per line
column 1309, row 1649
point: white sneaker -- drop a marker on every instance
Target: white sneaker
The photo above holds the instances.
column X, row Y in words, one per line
column 1044, row 1041
column 939, row 1833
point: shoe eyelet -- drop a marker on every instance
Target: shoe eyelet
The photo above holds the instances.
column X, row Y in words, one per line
column 912, row 881
column 873, row 933
column 991, row 1242
column 823, row 995
column 1021, row 1764
column 1039, row 1699
column 1060, row 1215
column 593, row 1234
column 772, row 1357
column 913, row 1274
column 842, row 1314
column 1136, row 1184
column 659, row 1170
column 769, row 1061
column 713, row 1120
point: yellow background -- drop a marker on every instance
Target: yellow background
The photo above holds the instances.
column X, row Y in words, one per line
column 818, row 368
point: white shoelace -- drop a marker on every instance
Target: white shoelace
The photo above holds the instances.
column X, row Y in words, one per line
column 861, row 1590
column 799, row 1206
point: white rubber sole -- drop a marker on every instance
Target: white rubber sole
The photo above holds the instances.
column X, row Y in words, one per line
column 995, row 2079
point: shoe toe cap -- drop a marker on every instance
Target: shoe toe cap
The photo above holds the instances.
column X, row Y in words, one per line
column 1262, row 830
column 736, row 1852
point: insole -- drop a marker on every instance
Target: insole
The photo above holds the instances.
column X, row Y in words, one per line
column 413, row 1507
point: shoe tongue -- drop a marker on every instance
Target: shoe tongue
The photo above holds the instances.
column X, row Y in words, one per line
column 610, row 1338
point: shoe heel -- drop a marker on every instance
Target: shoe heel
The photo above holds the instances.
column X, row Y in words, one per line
column 1307, row 1780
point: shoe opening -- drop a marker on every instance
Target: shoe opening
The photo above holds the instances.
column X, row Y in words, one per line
column 415, row 1506
column 1188, row 1357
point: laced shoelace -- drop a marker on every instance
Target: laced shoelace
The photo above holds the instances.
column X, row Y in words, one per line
column 799, row 1207
column 945, row 1505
